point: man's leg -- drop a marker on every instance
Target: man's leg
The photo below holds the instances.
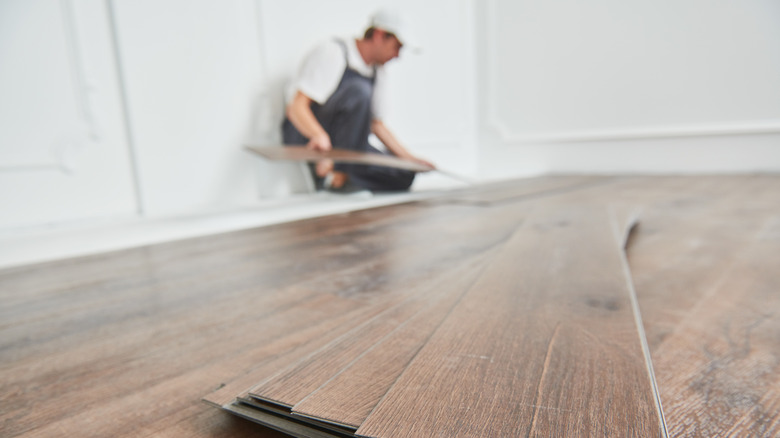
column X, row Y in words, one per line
column 350, row 126
column 379, row 178
column 346, row 117
column 291, row 136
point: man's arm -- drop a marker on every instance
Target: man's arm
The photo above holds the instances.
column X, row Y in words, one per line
column 300, row 114
column 385, row 136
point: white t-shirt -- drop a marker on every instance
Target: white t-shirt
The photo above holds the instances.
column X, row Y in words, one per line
column 322, row 69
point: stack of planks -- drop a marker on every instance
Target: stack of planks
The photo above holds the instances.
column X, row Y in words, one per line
column 538, row 333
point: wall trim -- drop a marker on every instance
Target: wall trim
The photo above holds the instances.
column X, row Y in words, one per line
column 132, row 151
column 508, row 137
column 651, row 132
column 82, row 88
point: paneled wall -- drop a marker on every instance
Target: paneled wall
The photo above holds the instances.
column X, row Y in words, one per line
column 139, row 108
column 64, row 154
column 612, row 86
column 117, row 108
column 191, row 70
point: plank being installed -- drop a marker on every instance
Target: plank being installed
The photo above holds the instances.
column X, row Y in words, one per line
column 545, row 343
column 302, row 153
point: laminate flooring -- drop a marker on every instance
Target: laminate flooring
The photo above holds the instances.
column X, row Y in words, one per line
column 127, row 343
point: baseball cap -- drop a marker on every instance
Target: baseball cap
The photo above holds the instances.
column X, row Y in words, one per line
column 391, row 21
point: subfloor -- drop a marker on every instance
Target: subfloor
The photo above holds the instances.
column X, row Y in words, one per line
column 128, row 343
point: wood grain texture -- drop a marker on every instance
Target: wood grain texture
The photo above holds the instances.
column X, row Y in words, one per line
column 428, row 250
column 719, row 371
column 349, row 396
column 544, row 344
column 302, row 153
column 294, row 384
column 504, row 192
column 125, row 344
column 692, row 241
column 175, row 334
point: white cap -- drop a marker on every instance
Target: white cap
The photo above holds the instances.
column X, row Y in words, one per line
column 392, row 22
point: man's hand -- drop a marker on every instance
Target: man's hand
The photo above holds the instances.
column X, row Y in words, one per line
column 320, row 142
column 423, row 162
column 388, row 139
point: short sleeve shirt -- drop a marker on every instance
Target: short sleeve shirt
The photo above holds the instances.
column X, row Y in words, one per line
column 322, row 69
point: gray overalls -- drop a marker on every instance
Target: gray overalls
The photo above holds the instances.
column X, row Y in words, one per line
column 346, row 117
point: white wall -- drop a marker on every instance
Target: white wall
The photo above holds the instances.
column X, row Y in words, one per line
column 191, row 72
column 611, row 86
column 63, row 149
column 140, row 107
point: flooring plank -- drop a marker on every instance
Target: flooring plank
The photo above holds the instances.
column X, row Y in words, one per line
column 347, row 397
column 293, row 385
column 186, row 335
column 503, row 192
column 686, row 248
column 302, row 153
column 432, row 254
column 125, row 344
column 718, row 371
column 544, row 344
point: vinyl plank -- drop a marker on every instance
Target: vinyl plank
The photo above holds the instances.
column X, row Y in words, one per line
column 315, row 342
column 544, row 344
column 280, row 423
column 347, row 396
column 502, row 192
column 174, row 336
column 302, row 153
column 431, row 255
column 126, row 343
column 291, row 386
column 718, row 370
column 686, row 243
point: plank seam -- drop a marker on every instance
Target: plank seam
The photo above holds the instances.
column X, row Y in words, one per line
column 639, row 324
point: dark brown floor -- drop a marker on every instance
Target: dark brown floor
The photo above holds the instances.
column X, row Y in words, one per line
column 127, row 343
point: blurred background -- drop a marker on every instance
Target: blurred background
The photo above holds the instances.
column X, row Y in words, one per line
column 140, row 108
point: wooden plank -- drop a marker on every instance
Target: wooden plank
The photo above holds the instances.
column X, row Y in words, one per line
column 348, row 396
column 182, row 340
column 503, row 192
column 302, row 153
column 545, row 343
column 284, row 420
column 126, row 343
column 293, row 385
column 688, row 239
column 280, row 423
column 458, row 235
column 690, row 245
column 719, row 371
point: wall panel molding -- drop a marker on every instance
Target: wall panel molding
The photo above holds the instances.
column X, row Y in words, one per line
column 509, row 138
column 498, row 126
column 64, row 152
column 63, row 155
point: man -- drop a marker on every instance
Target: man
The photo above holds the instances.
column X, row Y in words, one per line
column 338, row 102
